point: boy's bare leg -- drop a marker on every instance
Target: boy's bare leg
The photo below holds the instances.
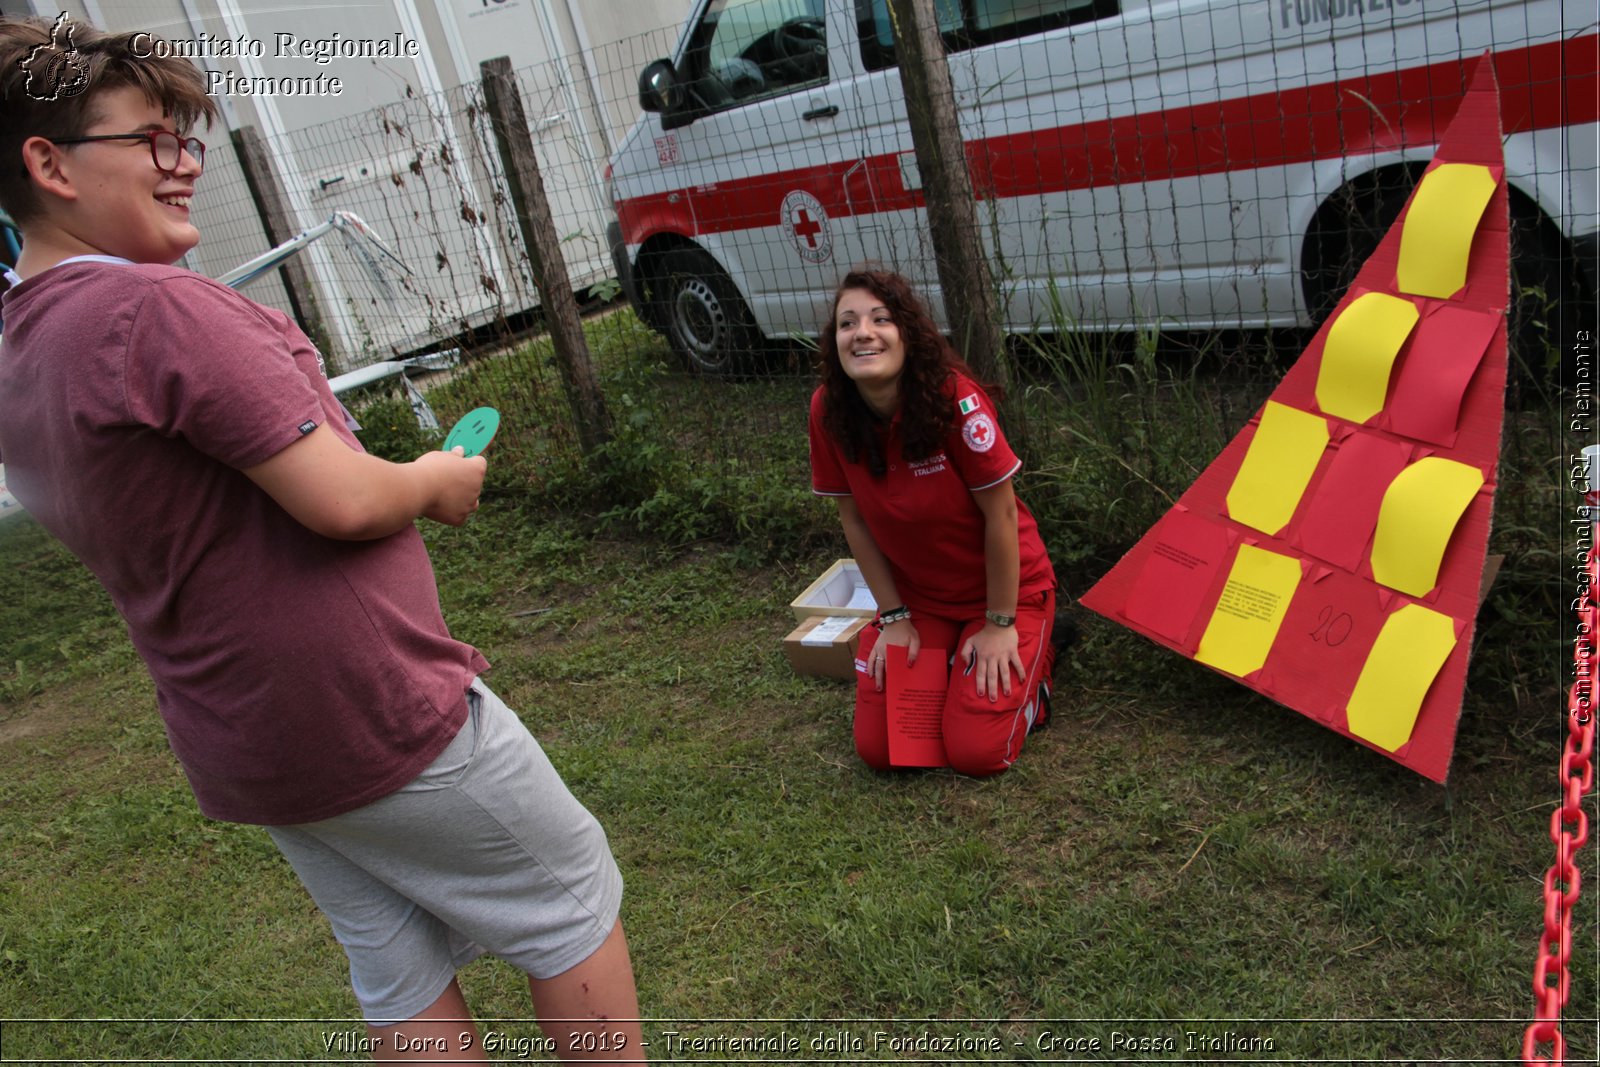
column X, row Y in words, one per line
column 443, row 1032
column 592, row 1010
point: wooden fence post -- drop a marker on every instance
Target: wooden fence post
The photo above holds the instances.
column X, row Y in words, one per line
column 964, row 279
column 273, row 207
column 504, row 105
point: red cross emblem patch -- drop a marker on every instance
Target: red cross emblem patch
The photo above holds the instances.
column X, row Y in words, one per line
column 979, row 432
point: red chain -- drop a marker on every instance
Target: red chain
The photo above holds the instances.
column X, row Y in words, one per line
column 1569, row 829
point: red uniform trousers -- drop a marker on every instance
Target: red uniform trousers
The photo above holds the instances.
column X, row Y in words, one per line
column 980, row 737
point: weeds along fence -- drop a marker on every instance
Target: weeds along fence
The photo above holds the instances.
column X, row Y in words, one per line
column 1170, row 197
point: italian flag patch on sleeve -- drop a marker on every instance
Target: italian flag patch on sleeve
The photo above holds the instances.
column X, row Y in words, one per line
column 969, row 404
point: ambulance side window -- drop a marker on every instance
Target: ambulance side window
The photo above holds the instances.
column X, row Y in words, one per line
column 968, row 24
column 745, row 50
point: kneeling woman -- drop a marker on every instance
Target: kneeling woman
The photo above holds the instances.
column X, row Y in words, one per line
column 908, row 443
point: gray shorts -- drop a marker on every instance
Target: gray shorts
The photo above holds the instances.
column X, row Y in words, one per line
column 485, row 851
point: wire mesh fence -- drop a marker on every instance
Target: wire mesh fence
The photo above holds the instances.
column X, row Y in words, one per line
column 1172, row 181
column 1171, row 196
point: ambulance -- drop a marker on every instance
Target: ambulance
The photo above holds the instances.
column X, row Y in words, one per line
column 1188, row 164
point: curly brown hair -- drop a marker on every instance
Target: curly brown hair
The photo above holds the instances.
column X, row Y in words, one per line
column 926, row 413
column 51, row 77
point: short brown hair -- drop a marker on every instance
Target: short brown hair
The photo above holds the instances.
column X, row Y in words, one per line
column 51, row 74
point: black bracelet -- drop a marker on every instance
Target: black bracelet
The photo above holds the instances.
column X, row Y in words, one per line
column 893, row 615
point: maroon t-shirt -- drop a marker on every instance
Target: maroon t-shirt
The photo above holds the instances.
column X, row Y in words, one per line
column 298, row 676
column 921, row 512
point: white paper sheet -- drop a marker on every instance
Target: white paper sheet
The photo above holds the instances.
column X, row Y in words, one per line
column 861, row 598
column 825, row 633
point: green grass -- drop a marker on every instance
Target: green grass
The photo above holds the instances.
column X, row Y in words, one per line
column 1173, row 854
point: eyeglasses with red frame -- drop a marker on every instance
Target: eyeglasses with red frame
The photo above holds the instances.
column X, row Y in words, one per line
column 166, row 147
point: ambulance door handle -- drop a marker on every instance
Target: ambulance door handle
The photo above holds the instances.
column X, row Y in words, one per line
column 820, row 113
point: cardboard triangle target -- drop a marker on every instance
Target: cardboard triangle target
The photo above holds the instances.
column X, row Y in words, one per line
column 1331, row 556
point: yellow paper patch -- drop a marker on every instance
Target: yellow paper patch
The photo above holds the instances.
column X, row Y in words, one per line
column 1359, row 355
column 1249, row 612
column 1419, row 513
column 1283, row 455
column 1410, row 650
column 1437, row 238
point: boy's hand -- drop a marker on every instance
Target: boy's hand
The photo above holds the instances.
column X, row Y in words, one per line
column 344, row 493
column 457, row 482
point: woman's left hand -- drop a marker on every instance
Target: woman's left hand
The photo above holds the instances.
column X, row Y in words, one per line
column 995, row 650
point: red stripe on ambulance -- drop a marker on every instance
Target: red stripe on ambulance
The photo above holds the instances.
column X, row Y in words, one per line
column 1543, row 86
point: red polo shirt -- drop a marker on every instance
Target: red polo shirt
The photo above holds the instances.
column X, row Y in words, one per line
column 922, row 513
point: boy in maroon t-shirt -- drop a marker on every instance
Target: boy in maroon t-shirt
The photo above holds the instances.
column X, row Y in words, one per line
column 182, row 442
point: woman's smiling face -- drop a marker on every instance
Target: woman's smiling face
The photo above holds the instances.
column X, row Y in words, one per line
column 871, row 351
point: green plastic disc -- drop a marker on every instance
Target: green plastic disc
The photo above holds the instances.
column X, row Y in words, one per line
column 474, row 432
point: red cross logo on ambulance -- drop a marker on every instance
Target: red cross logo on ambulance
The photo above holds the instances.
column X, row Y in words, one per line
column 805, row 220
column 978, row 432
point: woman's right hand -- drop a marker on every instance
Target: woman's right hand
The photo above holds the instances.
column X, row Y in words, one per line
column 904, row 633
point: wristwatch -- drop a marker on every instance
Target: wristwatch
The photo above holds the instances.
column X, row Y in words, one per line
column 1000, row 618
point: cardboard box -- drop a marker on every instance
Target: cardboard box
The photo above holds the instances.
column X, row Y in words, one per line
column 828, row 652
column 839, row 591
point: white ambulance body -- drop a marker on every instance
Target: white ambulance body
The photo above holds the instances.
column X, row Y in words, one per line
column 1191, row 163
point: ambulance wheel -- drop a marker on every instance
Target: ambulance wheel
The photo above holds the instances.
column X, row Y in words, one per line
column 706, row 319
column 1346, row 230
column 1549, row 297
column 1545, row 277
